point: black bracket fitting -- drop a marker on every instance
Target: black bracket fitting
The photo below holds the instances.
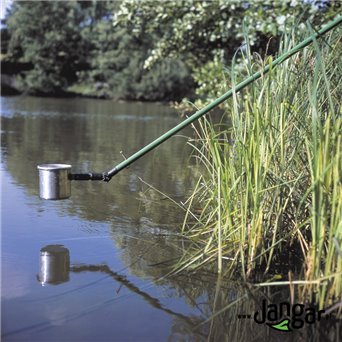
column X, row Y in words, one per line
column 86, row 176
column 105, row 176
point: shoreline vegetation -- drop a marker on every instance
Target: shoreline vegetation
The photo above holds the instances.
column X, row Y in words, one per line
column 268, row 202
column 71, row 48
column 140, row 51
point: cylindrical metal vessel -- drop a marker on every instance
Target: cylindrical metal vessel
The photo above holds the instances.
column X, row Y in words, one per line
column 54, row 182
column 54, row 265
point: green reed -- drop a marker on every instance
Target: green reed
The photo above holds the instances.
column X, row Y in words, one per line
column 271, row 180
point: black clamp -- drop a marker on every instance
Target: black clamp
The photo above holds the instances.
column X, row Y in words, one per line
column 86, row 176
column 105, row 176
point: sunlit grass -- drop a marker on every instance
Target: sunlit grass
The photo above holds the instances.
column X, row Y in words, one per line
column 272, row 171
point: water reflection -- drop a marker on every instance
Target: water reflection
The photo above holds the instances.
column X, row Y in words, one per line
column 55, row 268
column 218, row 307
column 54, row 265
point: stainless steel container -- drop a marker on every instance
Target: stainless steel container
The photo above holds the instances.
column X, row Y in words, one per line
column 54, row 265
column 54, row 182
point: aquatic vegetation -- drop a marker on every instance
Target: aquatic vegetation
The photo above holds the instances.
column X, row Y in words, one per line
column 269, row 199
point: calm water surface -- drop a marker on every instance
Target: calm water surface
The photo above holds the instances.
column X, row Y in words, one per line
column 91, row 268
column 114, row 233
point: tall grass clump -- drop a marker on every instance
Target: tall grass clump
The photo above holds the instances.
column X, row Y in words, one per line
column 269, row 197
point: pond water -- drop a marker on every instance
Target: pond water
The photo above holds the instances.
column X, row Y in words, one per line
column 92, row 267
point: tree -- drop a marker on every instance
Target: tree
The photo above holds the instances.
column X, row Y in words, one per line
column 74, row 47
column 116, row 60
column 201, row 30
column 47, row 34
column 208, row 33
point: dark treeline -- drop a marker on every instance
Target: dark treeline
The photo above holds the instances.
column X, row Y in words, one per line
column 72, row 47
column 143, row 50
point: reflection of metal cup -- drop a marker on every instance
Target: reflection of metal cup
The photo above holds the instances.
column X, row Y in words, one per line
column 54, row 182
column 54, row 265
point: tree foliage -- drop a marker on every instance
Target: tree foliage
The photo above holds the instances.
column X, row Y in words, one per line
column 202, row 29
column 74, row 46
column 117, row 64
column 47, row 35
column 152, row 47
column 208, row 33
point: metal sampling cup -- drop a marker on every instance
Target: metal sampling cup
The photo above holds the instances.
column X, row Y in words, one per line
column 54, row 181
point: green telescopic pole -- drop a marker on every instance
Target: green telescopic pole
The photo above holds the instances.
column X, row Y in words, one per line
column 108, row 175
